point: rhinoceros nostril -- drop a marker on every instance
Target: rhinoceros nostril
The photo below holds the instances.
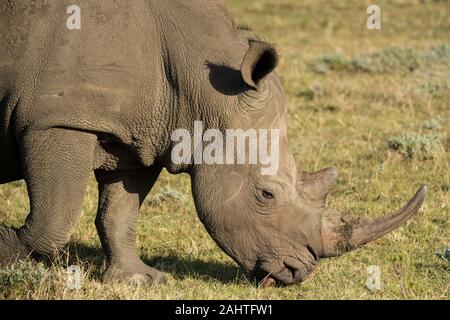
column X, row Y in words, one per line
column 313, row 252
column 293, row 270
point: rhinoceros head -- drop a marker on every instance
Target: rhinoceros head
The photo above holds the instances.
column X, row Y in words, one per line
column 277, row 226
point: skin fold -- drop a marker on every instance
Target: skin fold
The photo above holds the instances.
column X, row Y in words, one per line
column 106, row 98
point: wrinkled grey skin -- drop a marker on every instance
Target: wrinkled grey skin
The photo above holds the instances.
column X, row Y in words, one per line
column 106, row 99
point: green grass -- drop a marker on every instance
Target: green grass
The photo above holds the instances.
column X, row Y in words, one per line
column 390, row 60
column 380, row 87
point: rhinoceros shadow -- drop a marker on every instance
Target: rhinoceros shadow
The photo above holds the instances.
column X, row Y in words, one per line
column 225, row 79
column 182, row 268
column 178, row 267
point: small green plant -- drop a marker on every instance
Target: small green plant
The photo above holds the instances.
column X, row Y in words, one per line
column 445, row 254
column 167, row 193
column 24, row 273
column 434, row 83
column 393, row 59
column 416, row 146
column 435, row 124
column 331, row 62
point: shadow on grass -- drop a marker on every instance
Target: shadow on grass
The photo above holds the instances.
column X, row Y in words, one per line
column 441, row 266
column 181, row 268
column 178, row 267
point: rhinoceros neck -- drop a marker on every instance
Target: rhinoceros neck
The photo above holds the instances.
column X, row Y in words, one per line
column 202, row 52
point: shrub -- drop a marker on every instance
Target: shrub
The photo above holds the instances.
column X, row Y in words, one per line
column 416, row 146
column 167, row 193
column 394, row 59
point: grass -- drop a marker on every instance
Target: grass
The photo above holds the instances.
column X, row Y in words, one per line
column 390, row 60
column 378, row 87
column 421, row 147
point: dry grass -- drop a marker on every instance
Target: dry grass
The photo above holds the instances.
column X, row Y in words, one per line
column 341, row 117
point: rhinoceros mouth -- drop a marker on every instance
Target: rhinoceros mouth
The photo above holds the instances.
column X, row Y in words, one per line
column 287, row 272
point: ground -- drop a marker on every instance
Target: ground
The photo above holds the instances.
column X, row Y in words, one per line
column 372, row 103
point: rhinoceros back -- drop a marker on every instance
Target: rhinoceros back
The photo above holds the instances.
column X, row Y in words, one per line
column 76, row 77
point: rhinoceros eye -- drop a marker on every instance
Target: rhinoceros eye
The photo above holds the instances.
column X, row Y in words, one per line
column 267, row 194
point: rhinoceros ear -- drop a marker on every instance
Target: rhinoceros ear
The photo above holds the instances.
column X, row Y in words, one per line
column 260, row 60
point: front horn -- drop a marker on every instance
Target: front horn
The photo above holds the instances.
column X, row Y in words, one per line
column 341, row 233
